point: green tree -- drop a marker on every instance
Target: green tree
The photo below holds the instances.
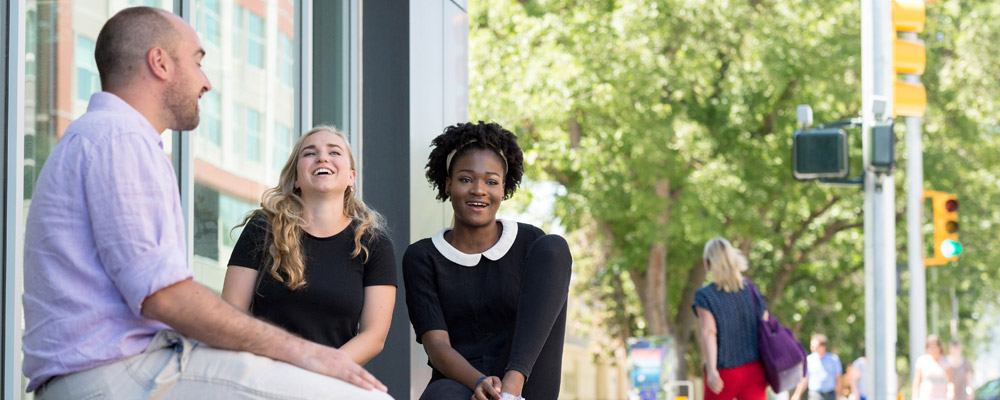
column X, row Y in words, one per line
column 669, row 122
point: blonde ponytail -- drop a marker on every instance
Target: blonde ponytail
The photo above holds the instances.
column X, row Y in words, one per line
column 726, row 263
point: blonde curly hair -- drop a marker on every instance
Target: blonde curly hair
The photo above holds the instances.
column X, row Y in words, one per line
column 282, row 207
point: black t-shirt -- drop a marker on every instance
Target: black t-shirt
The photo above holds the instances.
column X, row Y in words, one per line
column 328, row 308
column 471, row 296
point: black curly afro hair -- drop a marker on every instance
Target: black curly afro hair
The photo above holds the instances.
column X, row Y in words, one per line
column 466, row 137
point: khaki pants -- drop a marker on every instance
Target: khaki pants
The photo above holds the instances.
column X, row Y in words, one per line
column 175, row 367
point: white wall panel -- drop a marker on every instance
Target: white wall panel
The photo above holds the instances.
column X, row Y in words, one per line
column 439, row 97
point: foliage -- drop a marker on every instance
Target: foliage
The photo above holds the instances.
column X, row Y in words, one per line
column 668, row 122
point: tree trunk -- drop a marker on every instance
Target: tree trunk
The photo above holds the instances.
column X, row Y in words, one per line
column 684, row 320
column 651, row 286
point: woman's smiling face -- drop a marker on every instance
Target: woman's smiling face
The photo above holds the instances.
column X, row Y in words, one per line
column 476, row 187
column 324, row 164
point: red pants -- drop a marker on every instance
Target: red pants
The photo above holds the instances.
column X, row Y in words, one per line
column 746, row 382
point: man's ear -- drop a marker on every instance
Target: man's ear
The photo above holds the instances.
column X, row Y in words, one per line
column 160, row 63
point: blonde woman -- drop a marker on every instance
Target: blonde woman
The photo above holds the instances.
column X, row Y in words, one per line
column 314, row 259
column 727, row 324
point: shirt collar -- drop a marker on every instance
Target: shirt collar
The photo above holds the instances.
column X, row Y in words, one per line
column 494, row 253
column 107, row 101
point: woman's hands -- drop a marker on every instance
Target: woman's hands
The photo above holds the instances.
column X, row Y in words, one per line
column 487, row 389
column 714, row 381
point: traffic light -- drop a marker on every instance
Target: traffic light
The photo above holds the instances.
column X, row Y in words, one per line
column 946, row 226
column 908, row 57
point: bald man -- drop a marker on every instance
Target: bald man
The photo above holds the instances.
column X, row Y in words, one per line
column 109, row 304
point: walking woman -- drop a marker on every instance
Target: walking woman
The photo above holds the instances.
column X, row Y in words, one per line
column 487, row 297
column 727, row 324
column 314, row 259
column 931, row 374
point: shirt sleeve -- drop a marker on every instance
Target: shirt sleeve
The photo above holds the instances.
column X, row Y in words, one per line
column 380, row 269
column 700, row 300
column 838, row 365
column 421, row 292
column 135, row 216
column 250, row 250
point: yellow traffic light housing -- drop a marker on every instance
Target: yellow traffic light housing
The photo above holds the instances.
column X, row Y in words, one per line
column 946, row 227
column 908, row 57
column 909, row 99
column 908, row 15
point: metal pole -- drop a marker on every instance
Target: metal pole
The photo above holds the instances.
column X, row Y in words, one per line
column 880, row 209
column 954, row 315
column 13, row 39
column 914, row 228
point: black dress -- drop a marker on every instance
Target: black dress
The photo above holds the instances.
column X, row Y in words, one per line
column 476, row 299
column 327, row 310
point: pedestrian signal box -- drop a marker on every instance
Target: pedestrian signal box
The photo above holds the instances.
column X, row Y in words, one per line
column 819, row 153
column 945, row 217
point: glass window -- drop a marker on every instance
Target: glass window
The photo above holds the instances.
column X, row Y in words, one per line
column 255, row 40
column 253, row 135
column 246, row 122
column 147, row 3
column 88, row 81
column 30, row 42
column 210, row 127
column 282, row 145
column 231, row 213
column 208, row 22
column 286, row 59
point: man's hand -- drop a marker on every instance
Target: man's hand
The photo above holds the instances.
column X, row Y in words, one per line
column 336, row 363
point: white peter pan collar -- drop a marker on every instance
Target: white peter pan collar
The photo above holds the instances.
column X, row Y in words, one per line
column 494, row 253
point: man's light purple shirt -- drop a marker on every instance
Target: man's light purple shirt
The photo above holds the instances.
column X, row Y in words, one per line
column 104, row 231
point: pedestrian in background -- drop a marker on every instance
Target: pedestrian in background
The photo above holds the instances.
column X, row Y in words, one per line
column 961, row 372
column 856, row 378
column 931, row 376
column 727, row 325
column 823, row 372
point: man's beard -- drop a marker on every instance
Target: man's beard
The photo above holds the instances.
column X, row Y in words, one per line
column 183, row 108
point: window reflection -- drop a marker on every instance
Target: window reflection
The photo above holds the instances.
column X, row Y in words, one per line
column 246, row 126
column 87, row 79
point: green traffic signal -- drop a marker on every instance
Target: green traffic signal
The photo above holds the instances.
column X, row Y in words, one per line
column 950, row 248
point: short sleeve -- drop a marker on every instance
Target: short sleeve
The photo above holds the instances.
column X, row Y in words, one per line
column 839, row 366
column 700, row 300
column 421, row 291
column 250, row 249
column 135, row 216
column 380, row 269
column 761, row 303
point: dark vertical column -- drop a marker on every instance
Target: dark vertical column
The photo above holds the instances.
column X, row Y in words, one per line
column 3, row 202
column 384, row 139
column 385, row 135
column 329, row 92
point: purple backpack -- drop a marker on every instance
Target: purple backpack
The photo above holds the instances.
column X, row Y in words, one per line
column 782, row 356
